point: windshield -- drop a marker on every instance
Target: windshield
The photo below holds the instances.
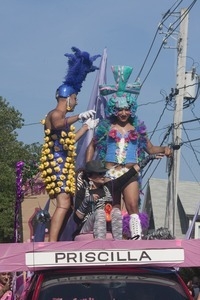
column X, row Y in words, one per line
column 111, row 287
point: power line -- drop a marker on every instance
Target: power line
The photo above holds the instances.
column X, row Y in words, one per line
column 190, row 142
column 189, row 167
column 167, row 36
column 30, row 124
column 164, row 18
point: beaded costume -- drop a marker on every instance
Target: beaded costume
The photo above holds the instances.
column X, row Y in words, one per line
column 58, row 161
column 58, row 152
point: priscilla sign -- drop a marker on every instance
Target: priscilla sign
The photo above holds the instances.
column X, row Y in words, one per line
column 103, row 257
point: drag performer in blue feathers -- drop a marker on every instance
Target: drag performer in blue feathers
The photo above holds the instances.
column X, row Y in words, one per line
column 58, row 153
column 121, row 141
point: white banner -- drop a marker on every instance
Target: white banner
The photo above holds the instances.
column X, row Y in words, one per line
column 103, row 257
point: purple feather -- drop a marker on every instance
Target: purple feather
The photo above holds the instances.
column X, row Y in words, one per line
column 144, row 219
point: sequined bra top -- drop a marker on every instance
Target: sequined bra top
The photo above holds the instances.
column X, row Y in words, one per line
column 122, row 149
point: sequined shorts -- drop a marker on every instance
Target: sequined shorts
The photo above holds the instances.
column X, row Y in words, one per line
column 114, row 172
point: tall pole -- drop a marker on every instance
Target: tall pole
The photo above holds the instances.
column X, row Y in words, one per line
column 178, row 115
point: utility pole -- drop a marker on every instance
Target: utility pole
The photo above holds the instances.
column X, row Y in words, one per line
column 171, row 210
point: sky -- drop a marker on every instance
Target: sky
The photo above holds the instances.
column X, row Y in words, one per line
column 35, row 35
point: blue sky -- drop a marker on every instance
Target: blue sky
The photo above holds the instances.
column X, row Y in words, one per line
column 35, row 35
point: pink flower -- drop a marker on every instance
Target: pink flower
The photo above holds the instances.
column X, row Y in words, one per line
column 132, row 136
column 113, row 133
column 117, row 139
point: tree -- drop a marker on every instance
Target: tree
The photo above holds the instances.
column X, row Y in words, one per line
column 11, row 151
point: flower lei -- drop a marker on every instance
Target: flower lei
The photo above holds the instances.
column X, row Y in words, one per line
column 100, row 138
column 50, row 164
column 122, row 143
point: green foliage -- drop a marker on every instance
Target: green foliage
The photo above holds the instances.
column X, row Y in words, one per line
column 12, row 151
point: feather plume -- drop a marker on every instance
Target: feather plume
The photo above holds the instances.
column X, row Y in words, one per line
column 80, row 63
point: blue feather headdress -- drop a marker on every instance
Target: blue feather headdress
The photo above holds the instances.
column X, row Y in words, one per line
column 80, row 63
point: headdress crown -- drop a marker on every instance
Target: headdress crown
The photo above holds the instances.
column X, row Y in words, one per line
column 124, row 94
column 80, row 63
column 121, row 76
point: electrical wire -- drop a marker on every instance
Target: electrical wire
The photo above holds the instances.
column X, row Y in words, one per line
column 188, row 165
column 30, row 124
column 179, row 20
column 196, row 118
column 164, row 139
column 162, row 113
column 191, row 145
column 165, row 17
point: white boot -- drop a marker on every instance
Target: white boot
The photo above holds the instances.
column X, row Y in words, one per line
column 135, row 227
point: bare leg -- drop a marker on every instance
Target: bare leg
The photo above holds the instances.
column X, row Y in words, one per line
column 63, row 206
column 131, row 197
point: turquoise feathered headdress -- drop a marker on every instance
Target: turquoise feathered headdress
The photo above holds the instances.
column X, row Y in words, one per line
column 80, row 63
column 124, row 94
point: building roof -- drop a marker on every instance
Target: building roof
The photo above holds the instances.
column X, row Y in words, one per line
column 155, row 204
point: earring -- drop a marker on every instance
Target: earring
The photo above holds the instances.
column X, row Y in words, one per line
column 68, row 106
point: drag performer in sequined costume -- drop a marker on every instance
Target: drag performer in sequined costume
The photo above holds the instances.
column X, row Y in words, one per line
column 121, row 141
column 58, row 151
